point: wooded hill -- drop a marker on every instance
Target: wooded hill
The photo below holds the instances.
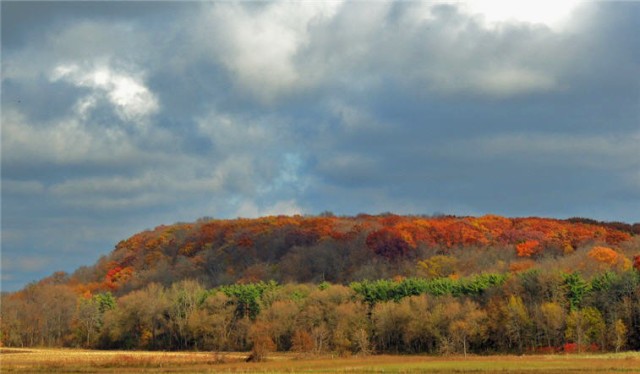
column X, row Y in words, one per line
column 344, row 249
column 384, row 283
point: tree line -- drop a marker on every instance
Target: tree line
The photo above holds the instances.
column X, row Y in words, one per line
column 527, row 312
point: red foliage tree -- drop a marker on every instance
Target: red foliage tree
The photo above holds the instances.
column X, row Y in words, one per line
column 388, row 244
column 117, row 276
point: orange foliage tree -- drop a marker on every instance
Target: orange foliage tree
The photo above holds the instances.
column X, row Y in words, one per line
column 604, row 255
column 528, row 248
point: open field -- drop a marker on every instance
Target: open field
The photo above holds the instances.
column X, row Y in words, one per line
column 87, row 361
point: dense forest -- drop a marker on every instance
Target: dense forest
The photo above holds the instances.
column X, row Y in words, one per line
column 363, row 284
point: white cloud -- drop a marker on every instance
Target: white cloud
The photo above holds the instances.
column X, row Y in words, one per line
column 124, row 90
column 249, row 209
column 284, row 207
column 66, row 141
column 278, row 49
column 551, row 13
column 456, row 53
column 259, row 46
column 436, row 47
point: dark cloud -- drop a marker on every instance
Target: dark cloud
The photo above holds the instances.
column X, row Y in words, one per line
column 119, row 116
column 24, row 21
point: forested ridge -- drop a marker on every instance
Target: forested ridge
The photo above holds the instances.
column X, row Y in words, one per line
column 363, row 284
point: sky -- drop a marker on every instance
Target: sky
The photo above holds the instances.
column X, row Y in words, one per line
column 121, row 116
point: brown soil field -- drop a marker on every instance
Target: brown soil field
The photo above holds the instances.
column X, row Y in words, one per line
column 27, row 360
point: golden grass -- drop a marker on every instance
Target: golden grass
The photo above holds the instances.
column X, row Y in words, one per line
column 89, row 361
column 78, row 360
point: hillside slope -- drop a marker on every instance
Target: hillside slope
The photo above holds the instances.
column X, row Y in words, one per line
column 345, row 249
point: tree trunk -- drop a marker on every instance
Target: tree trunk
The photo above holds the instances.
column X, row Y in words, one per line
column 464, row 346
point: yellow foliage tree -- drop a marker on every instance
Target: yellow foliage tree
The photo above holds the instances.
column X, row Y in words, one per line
column 437, row 266
column 604, row 255
column 609, row 257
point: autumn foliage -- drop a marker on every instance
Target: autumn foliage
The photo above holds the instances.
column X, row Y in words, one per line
column 528, row 248
column 299, row 248
column 604, row 255
column 386, row 283
column 388, row 243
column 116, row 276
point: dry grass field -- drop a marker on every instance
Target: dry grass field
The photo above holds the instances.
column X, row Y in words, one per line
column 87, row 361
